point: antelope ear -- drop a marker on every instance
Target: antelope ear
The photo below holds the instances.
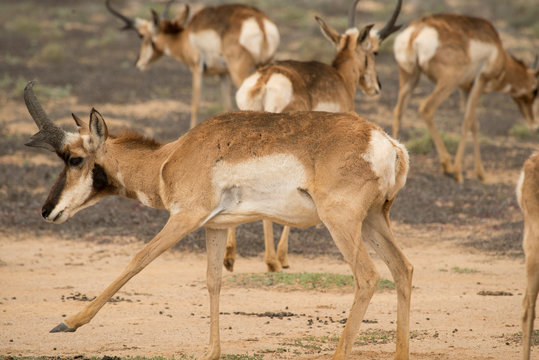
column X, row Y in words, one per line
column 155, row 17
column 82, row 125
column 98, row 129
column 331, row 34
column 363, row 38
column 182, row 17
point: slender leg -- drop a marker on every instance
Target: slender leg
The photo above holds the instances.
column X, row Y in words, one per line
column 470, row 122
column 345, row 228
column 442, row 90
column 224, row 80
column 195, row 101
column 282, row 248
column 176, row 228
column 531, row 250
column 270, row 258
column 215, row 247
column 407, row 83
column 230, row 253
column 239, row 62
column 377, row 231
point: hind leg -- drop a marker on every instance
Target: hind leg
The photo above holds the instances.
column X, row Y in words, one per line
column 531, row 249
column 407, row 83
column 282, row 248
column 377, row 231
column 230, row 252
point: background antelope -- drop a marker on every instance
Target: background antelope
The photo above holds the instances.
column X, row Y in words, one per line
column 235, row 168
column 528, row 199
column 219, row 40
column 462, row 52
column 284, row 86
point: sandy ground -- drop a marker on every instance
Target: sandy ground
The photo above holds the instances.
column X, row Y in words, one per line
column 163, row 310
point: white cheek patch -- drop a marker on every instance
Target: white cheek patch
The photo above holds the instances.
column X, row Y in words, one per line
column 327, row 106
column 382, row 155
column 425, row 45
column 279, row 93
column 208, row 44
column 482, row 55
column 146, row 53
column 245, row 98
column 73, row 197
column 268, row 185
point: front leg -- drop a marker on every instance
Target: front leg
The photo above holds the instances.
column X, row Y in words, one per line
column 195, row 101
column 176, row 228
column 215, row 248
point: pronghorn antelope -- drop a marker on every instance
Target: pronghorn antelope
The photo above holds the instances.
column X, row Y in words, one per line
column 528, row 199
column 219, row 40
column 297, row 169
column 285, row 86
column 464, row 52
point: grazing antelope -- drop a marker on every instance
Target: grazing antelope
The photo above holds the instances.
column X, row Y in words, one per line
column 219, row 40
column 464, row 52
column 285, row 86
column 297, row 169
column 528, row 199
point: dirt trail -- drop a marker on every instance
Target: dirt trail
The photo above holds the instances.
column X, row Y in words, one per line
column 163, row 310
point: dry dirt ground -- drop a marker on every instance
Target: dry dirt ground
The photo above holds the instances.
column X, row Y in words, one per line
column 462, row 238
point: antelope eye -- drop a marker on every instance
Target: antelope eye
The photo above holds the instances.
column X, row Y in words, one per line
column 535, row 93
column 74, row 161
column 375, row 53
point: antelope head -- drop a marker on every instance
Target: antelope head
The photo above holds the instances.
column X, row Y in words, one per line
column 155, row 34
column 83, row 180
column 355, row 48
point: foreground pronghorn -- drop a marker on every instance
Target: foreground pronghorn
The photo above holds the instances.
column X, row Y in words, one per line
column 528, row 199
column 465, row 52
column 219, row 40
column 285, row 86
column 297, row 169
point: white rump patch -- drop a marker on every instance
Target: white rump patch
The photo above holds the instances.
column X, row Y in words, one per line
column 425, row 45
column 273, row 39
column 327, row 106
column 208, row 44
column 382, row 155
column 519, row 188
column 267, row 186
column 279, row 93
column 404, row 58
column 252, row 38
column 247, row 101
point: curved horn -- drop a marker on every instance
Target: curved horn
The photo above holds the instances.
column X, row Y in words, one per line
column 164, row 14
column 390, row 27
column 352, row 15
column 129, row 23
column 49, row 136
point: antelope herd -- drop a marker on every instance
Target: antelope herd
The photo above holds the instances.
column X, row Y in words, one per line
column 296, row 153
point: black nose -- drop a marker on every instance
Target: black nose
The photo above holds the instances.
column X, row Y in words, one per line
column 45, row 212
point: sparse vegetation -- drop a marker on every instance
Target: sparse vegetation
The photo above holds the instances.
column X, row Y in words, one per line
column 421, row 142
column 464, row 270
column 521, row 131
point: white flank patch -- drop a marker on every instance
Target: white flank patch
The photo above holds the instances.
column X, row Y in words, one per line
column 252, row 38
column 144, row 200
column 264, row 186
column 425, row 45
column 72, row 198
column 273, row 39
column 404, row 58
column 519, row 188
column 482, row 54
column 381, row 154
column 279, row 93
column 243, row 98
column 327, row 106
column 208, row 44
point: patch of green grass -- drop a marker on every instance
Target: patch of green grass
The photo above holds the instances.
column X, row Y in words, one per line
column 421, row 142
column 52, row 53
column 375, row 336
column 464, row 270
column 385, row 284
column 14, row 89
column 521, row 131
column 26, row 26
column 516, row 338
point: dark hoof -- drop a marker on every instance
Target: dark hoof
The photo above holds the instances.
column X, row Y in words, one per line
column 229, row 264
column 286, row 266
column 62, row 328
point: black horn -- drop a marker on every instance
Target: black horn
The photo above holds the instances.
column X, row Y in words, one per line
column 390, row 27
column 49, row 136
column 352, row 15
column 129, row 23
